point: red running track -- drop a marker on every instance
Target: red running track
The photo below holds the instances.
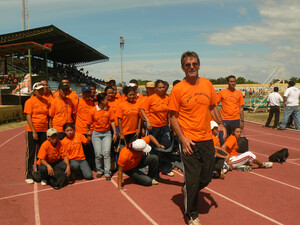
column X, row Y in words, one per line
column 263, row 196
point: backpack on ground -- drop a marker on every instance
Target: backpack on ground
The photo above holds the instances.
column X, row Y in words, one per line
column 279, row 156
column 59, row 179
column 243, row 145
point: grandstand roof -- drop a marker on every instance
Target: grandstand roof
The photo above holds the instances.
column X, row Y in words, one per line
column 66, row 49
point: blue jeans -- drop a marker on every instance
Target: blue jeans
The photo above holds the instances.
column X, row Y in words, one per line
column 83, row 166
column 290, row 111
column 229, row 125
column 102, row 143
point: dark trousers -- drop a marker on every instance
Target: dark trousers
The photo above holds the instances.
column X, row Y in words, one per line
column 32, row 149
column 89, row 154
column 273, row 110
column 141, row 178
column 198, row 171
column 44, row 171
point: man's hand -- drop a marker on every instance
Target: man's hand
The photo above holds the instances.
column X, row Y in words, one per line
column 68, row 171
column 242, row 124
column 50, row 170
column 186, row 146
column 35, row 135
column 223, row 129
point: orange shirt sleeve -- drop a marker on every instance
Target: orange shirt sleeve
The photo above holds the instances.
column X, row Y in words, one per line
column 232, row 145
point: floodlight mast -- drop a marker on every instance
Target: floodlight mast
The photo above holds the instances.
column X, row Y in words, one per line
column 122, row 42
column 25, row 15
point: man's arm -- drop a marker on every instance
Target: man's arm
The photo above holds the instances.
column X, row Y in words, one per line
column 284, row 102
column 120, row 178
column 186, row 143
column 242, row 116
column 214, row 112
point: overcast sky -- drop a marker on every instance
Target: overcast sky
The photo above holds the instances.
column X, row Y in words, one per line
column 246, row 38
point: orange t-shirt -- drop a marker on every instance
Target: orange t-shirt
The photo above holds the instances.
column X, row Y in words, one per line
column 73, row 147
column 83, row 116
column 129, row 114
column 39, row 111
column 193, row 102
column 72, row 95
column 232, row 145
column 61, row 111
column 130, row 159
column 216, row 141
column 48, row 97
column 49, row 153
column 231, row 102
column 113, row 106
column 156, row 108
column 102, row 118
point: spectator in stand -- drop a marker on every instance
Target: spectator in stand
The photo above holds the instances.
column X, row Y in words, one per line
column 103, row 118
column 132, row 159
column 274, row 100
column 83, row 122
column 231, row 146
column 72, row 144
column 62, row 110
column 51, row 155
column 36, row 110
column 192, row 104
column 156, row 114
column 47, row 94
column 69, row 94
column 128, row 114
column 232, row 106
column 291, row 101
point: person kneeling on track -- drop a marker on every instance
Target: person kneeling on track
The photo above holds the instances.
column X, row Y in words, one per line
column 131, row 159
column 246, row 158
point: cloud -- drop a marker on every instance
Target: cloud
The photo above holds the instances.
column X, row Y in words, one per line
column 242, row 11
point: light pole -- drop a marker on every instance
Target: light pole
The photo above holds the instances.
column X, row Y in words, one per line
column 122, row 41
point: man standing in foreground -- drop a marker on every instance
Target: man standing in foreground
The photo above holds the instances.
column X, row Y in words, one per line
column 291, row 100
column 232, row 106
column 192, row 103
column 274, row 100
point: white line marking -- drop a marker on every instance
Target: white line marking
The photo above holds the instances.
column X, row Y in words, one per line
column 136, row 205
column 239, row 204
column 282, row 146
column 11, row 138
column 257, row 131
column 36, row 206
column 277, row 181
column 264, row 124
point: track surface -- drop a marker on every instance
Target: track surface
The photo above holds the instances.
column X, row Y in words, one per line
column 263, row 196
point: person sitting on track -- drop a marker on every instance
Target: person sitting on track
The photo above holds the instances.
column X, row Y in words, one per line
column 51, row 155
column 74, row 151
column 131, row 159
column 231, row 147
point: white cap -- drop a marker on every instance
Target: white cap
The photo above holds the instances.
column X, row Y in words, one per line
column 37, row 86
column 213, row 124
column 131, row 85
column 51, row 131
column 141, row 146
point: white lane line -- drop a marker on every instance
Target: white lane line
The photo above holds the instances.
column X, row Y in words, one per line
column 277, row 181
column 135, row 205
column 36, row 205
column 239, row 204
column 269, row 143
column 265, row 134
column 11, row 138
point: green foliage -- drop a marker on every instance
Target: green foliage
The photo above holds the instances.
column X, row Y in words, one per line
column 239, row 80
column 295, row 79
column 143, row 82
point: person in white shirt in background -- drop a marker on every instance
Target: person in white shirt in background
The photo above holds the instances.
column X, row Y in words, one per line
column 274, row 100
column 291, row 102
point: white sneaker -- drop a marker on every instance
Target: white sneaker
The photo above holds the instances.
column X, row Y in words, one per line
column 267, row 165
column 29, row 181
column 194, row 222
column 44, row 182
column 154, row 182
column 170, row 174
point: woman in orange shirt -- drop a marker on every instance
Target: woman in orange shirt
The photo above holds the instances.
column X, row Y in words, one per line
column 103, row 118
column 74, row 151
column 155, row 111
column 36, row 110
column 231, row 147
column 129, row 119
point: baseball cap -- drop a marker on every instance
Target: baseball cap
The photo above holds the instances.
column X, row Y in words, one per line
column 109, row 79
column 63, row 86
column 150, row 84
column 131, row 85
column 51, row 131
column 86, row 89
column 37, row 86
column 213, row 124
column 141, row 146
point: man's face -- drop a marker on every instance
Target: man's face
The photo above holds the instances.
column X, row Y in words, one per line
column 53, row 139
column 86, row 95
column 67, row 82
column 46, row 88
column 93, row 92
column 191, row 67
column 231, row 83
